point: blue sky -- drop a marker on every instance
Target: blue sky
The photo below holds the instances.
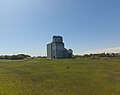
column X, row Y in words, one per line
column 26, row 26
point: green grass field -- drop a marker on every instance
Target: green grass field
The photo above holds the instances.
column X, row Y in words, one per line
column 82, row 76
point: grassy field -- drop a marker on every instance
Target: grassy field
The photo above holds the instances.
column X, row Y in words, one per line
column 82, row 76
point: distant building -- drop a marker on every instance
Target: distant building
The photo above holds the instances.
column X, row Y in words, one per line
column 56, row 49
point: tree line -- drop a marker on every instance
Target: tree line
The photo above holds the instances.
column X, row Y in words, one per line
column 14, row 57
column 100, row 55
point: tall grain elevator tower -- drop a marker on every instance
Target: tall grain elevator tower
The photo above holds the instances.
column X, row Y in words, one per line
column 56, row 49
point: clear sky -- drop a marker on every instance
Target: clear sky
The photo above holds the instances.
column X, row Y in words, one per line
column 26, row 26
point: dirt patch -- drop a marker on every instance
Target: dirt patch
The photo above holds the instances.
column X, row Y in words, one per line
column 115, row 75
